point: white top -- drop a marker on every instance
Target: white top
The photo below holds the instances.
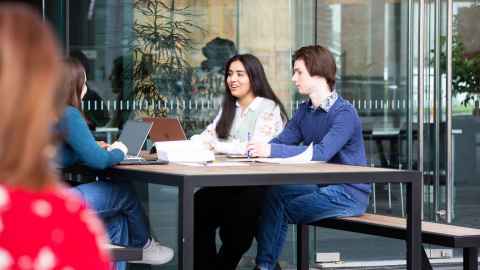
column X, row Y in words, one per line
column 261, row 119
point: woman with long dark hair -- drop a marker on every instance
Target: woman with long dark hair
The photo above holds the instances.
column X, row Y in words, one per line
column 250, row 112
column 114, row 202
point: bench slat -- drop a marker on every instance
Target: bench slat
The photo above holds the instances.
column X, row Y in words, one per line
column 120, row 253
column 394, row 227
column 430, row 227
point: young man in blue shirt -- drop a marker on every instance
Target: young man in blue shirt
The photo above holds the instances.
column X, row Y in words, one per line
column 333, row 126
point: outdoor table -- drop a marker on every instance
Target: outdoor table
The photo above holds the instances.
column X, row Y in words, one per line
column 187, row 178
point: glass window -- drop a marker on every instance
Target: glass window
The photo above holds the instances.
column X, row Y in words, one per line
column 166, row 58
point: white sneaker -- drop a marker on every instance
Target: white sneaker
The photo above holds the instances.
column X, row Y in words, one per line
column 155, row 254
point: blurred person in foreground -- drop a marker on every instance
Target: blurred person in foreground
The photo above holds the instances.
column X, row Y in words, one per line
column 42, row 224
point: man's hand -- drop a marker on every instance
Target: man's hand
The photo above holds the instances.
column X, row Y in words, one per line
column 259, row 149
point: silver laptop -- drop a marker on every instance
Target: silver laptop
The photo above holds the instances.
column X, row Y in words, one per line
column 134, row 135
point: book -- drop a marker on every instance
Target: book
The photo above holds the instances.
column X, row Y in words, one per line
column 183, row 151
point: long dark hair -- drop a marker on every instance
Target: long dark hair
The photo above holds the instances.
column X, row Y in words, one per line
column 260, row 88
column 73, row 81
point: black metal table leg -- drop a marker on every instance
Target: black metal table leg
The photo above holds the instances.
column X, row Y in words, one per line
column 185, row 226
column 414, row 235
column 470, row 258
column 302, row 247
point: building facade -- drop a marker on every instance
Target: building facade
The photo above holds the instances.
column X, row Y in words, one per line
column 410, row 67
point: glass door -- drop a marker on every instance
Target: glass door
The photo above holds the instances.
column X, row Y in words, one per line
column 451, row 113
column 435, row 117
column 466, row 113
column 374, row 42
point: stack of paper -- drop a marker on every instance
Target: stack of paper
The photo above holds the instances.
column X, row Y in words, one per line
column 183, row 151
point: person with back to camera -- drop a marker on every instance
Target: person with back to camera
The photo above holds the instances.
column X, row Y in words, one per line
column 114, row 202
column 332, row 125
column 250, row 110
column 43, row 225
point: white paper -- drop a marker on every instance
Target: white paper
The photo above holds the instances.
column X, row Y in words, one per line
column 302, row 158
column 183, row 151
column 226, row 164
column 213, row 164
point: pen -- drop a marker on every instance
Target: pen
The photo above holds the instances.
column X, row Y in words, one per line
column 248, row 142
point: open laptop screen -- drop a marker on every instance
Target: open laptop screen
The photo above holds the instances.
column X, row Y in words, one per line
column 165, row 129
column 134, row 134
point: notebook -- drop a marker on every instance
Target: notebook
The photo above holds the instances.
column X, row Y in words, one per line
column 165, row 129
column 133, row 135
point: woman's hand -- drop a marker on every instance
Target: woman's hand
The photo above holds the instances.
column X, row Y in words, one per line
column 259, row 149
column 103, row 144
column 120, row 146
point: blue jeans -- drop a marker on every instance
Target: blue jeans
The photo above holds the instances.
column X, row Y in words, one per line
column 300, row 204
column 121, row 212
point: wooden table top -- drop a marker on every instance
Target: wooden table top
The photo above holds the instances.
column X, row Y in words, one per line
column 254, row 168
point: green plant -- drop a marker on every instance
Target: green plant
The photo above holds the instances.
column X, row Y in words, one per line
column 162, row 41
column 466, row 72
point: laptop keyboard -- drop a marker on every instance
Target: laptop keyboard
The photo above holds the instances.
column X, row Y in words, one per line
column 128, row 157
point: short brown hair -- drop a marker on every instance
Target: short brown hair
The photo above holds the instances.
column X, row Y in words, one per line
column 319, row 61
column 30, row 62
column 73, row 81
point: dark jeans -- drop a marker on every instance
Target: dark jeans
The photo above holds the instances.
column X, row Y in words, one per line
column 300, row 204
column 235, row 211
column 121, row 211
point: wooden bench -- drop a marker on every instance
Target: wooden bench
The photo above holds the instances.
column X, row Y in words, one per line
column 121, row 253
column 393, row 227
